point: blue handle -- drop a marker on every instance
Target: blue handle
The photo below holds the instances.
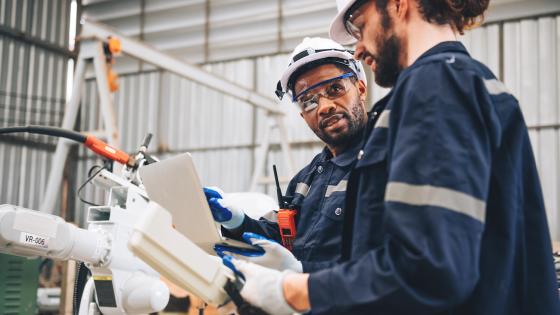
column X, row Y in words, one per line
column 220, row 249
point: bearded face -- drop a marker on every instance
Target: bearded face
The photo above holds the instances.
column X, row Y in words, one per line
column 335, row 120
column 380, row 47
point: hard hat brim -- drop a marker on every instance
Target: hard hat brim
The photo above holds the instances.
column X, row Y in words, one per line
column 321, row 55
column 338, row 31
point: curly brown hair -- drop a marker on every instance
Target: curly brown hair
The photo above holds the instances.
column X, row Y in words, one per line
column 460, row 14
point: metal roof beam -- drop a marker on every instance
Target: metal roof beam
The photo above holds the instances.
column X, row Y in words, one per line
column 164, row 61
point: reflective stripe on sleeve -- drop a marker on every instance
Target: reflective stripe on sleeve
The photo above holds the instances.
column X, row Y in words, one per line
column 426, row 195
column 302, row 189
column 271, row 216
column 341, row 186
column 495, row 87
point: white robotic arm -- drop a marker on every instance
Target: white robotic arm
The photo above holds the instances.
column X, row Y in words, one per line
column 124, row 284
column 30, row 233
column 124, row 246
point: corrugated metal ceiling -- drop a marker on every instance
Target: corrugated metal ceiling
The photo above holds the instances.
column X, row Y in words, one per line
column 201, row 31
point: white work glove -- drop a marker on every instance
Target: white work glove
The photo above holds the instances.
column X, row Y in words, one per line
column 228, row 309
column 273, row 256
column 263, row 286
column 228, row 215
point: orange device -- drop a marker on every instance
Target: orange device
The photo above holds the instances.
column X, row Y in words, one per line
column 106, row 150
column 286, row 216
column 287, row 225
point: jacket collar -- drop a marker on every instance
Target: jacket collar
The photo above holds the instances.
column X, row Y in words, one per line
column 345, row 158
column 443, row 47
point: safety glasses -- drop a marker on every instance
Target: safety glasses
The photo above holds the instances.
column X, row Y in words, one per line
column 308, row 100
column 354, row 20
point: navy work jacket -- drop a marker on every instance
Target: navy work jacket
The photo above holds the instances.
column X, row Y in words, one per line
column 319, row 192
column 445, row 203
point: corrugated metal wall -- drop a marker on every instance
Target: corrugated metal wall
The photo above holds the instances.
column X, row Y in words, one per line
column 531, row 69
column 33, row 38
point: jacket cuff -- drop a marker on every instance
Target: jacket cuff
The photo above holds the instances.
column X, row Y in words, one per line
column 312, row 266
column 321, row 292
column 236, row 233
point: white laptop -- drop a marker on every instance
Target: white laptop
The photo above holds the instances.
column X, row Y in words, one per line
column 174, row 184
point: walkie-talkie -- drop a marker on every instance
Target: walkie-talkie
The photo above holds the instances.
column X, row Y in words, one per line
column 286, row 216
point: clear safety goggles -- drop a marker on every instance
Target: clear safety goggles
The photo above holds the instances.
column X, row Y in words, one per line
column 308, row 100
column 354, row 20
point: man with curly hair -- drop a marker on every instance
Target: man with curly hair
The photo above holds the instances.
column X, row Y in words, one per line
column 445, row 213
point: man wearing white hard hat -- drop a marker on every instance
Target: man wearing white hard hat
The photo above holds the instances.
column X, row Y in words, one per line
column 446, row 213
column 329, row 87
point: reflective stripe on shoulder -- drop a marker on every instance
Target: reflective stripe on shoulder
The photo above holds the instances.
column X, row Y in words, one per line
column 341, row 186
column 383, row 120
column 496, row 87
column 302, row 189
column 426, row 195
column 271, row 216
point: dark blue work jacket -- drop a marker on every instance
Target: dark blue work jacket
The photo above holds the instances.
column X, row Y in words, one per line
column 319, row 191
column 445, row 205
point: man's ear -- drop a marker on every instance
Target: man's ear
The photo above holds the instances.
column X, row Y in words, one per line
column 362, row 88
column 401, row 8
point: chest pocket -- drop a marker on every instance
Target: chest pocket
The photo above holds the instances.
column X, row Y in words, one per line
column 333, row 207
column 323, row 241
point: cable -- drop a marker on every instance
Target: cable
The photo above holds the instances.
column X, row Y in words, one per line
column 91, row 142
column 82, row 274
column 87, row 181
column 44, row 130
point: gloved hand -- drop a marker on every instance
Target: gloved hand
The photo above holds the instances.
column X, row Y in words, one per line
column 228, row 309
column 263, row 286
column 273, row 256
column 229, row 216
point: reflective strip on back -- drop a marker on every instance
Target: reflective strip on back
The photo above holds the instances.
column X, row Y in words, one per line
column 341, row 186
column 426, row 195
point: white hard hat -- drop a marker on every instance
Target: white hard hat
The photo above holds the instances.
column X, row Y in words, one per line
column 338, row 31
column 316, row 49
